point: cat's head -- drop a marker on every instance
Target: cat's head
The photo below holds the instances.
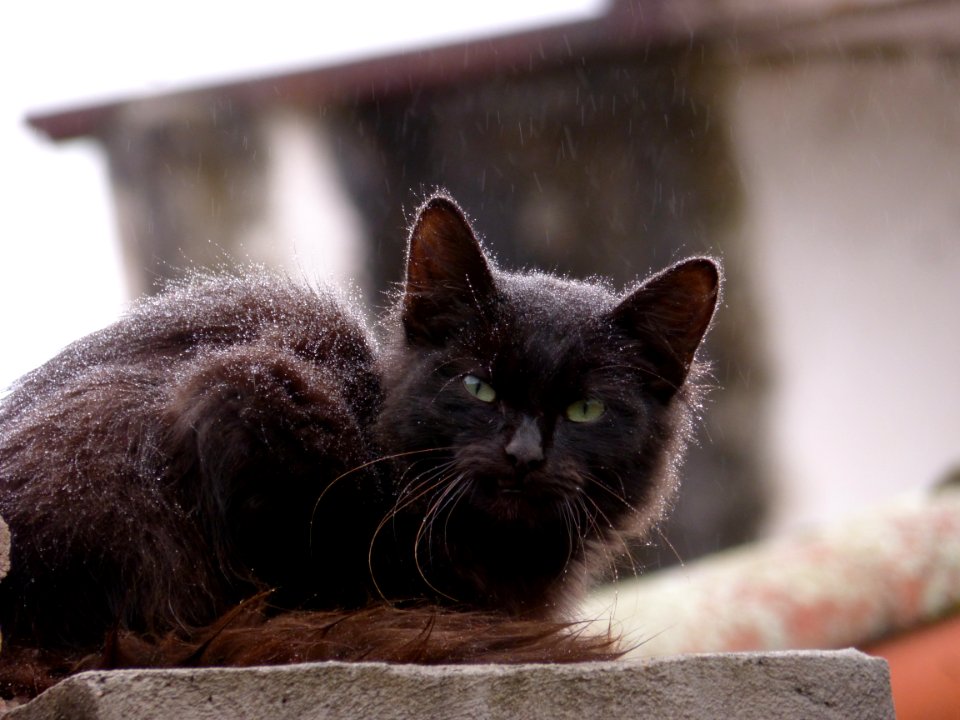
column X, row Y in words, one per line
column 533, row 400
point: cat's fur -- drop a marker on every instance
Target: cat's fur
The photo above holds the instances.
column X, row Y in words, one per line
column 242, row 434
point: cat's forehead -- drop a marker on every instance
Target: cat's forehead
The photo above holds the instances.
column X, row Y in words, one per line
column 553, row 304
column 546, row 326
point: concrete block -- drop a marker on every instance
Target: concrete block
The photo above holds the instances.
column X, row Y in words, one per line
column 810, row 684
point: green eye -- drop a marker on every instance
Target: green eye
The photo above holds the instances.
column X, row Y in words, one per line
column 479, row 389
column 583, row 411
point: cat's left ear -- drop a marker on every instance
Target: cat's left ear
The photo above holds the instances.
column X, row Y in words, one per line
column 449, row 282
column 669, row 314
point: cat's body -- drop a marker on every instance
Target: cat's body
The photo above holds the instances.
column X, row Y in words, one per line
column 168, row 467
column 236, row 435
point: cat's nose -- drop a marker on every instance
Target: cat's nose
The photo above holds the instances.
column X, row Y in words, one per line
column 526, row 446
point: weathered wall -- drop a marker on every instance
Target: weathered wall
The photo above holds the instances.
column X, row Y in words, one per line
column 851, row 168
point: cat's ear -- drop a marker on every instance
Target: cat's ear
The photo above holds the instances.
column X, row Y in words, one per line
column 669, row 314
column 448, row 279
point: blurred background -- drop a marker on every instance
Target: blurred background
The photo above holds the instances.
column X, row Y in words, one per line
column 813, row 146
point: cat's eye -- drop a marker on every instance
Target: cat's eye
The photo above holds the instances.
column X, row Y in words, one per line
column 479, row 389
column 584, row 411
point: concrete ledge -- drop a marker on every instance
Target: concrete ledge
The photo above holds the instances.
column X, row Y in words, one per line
column 810, row 684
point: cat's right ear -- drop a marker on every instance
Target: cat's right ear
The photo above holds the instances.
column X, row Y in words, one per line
column 670, row 313
column 448, row 278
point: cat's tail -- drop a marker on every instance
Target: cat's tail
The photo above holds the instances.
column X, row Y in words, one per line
column 250, row 635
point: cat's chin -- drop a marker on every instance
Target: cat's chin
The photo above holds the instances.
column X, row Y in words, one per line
column 527, row 506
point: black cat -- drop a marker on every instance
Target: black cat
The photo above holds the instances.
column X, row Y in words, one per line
column 243, row 434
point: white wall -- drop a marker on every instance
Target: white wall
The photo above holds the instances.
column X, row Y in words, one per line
column 852, row 175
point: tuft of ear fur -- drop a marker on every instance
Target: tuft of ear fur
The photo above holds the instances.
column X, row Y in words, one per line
column 448, row 276
column 669, row 314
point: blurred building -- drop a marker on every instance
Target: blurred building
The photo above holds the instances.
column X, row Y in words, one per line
column 814, row 146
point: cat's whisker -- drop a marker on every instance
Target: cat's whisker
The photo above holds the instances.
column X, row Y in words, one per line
column 611, row 529
column 462, row 360
column 452, row 361
column 578, row 507
column 447, row 498
column 595, row 544
column 423, row 488
column 424, row 478
column 639, row 370
column 418, row 487
column 574, row 531
column 666, row 540
column 692, row 405
column 442, row 389
column 570, row 510
column 597, row 482
column 462, row 490
column 594, row 529
column 426, row 527
column 441, row 476
column 358, row 468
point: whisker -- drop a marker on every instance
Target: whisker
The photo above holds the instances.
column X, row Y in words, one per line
column 690, row 403
column 612, row 528
column 424, row 488
column 419, row 537
column 603, row 486
column 570, row 525
column 449, row 496
column 461, row 492
column 418, row 488
column 669, row 544
column 363, row 466
column 597, row 482
column 580, row 502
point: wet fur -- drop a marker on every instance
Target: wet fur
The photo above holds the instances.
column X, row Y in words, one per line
column 238, row 436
